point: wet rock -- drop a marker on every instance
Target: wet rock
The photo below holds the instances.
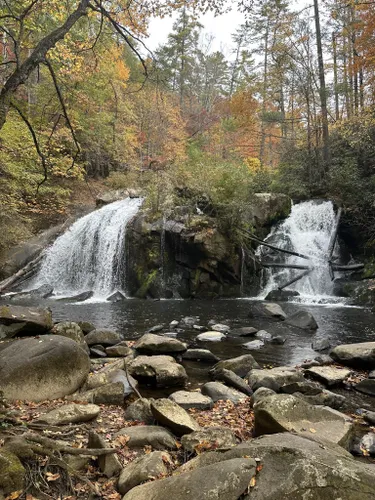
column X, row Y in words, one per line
column 210, row 337
column 225, row 480
column 263, row 335
column 245, row 331
column 329, row 375
column 231, row 379
column 110, row 465
column 24, row 321
column 143, row 469
column 366, row 386
column 162, row 371
column 189, row 321
column 43, row 292
column 209, row 438
column 157, row 344
column 12, row 473
column 81, row 297
column 102, row 337
column 267, row 310
column 281, row 295
column 116, row 297
column 324, row 360
column 187, row 400
column 199, row 328
column 170, row 414
column 365, row 446
column 278, row 340
column 218, row 327
column 86, row 326
column 140, row 411
column 200, row 355
column 273, row 378
column 287, row 413
column 303, row 387
column 361, row 356
column 220, row 392
column 321, row 345
column 240, row 365
column 324, row 398
column 303, row 320
column 254, row 345
column 36, row 369
column 119, row 350
column 70, row 414
column 156, row 329
column 149, row 435
column 174, row 324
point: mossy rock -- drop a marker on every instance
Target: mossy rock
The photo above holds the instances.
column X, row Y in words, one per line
column 12, row 473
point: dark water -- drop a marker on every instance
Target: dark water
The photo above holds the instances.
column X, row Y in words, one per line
column 133, row 318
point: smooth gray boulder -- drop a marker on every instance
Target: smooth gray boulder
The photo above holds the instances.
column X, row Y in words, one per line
column 42, row 292
column 329, row 375
column 143, row 469
column 162, row 371
column 231, row 379
column 321, row 345
column 218, row 327
column 303, row 387
column 116, row 297
column 72, row 331
column 240, row 365
column 157, row 344
column 275, row 413
column 209, row 438
column 281, row 295
column 36, row 369
column 119, row 350
column 303, row 320
column 267, row 310
column 361, row 356
column 108, row 394
column 254, row 345
column 24, row 321
column 195, row 399
column 264, row 335
column 220, row 392
column 171, row 415
column 140, row 410
column 222, row 481
column 324, row 398
column 149, row 435
column 81, row 297
column 245, row 331
column 273, row 378
column 210, row 337
column 366, row 386
column 200, row 355
column 70, row 414
column 102, row 337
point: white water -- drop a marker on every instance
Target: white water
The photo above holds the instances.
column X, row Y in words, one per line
column 306, row 231
column 91, row 254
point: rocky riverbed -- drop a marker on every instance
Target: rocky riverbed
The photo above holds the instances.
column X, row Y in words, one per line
column 87, row 414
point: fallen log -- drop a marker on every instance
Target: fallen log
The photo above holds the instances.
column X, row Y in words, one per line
column 332, row 241
column 27, row 270
column 286, row 266
column 349, row 267
column 294, row 280
column 273, row 247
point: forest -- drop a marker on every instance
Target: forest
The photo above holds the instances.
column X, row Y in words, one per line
column 85, row 105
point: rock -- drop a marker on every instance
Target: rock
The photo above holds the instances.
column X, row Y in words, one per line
column 321, row 345
column 261, row 393
column 102, row 337
column 245, row 331
column 155, row 329
column 361, row 356
column 108, row 394
column 267, row 310
column 76, row 462
column 278, row 340
column 116, row 297
column 119, row 350
column 324, row 360
column 81, row 297
column 281, row 295
column 70, row 414
column 97, row 351
column 199, row 328
column 149, row 435
column 157, row 344
column 263, row 335
column 71, row 331
column 110, row 465
column 329, row 375
column 303, row 387
column 371, row 374
column 369, row 416
column 174, row 324
column 218, row 327
column 187, row 400
column 115, row 195
column 143, row 469
column 365, row 446
column 200, row 355
column 222, row 481
column 86, row 326
column 19, row 320
column 12, row 473
column 170, row 414
column 287, row 413
column 43, row 292
column 254, row 345
column 210, row 337
column 231, row 379
column 189, row 321
column 240, row 365
column 303, row 320
column 162, row 371
column 324, row 398
column 273, row 378
column 220, row 392
column 140, row 411
column 36, row 369
column 366, row 386
column 209, row 438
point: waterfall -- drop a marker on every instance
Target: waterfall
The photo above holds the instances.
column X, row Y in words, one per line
column 306, row 231
column 91, row 254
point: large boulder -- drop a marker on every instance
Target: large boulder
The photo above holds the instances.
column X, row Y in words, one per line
column 70, row 414
column 170, row 414
column 102, row 337
column 49, row 367
column 187, row 400
column 222, row 481
column 143, row 469
column 162, row 371
column 148, row 435
column 19, row 320
column 211, row 336
column 361, row 356
column 275, row 413
column 140, row 410
column 42, row 292
column 303, row 320
column 273, row 378
column 240, row 365
column 157, row 344
column 366, row 386
column 329, row 375
column 267, row 310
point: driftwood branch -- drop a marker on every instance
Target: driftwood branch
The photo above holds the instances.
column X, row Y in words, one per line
column 332, row 241
column 349, row 267
column 268, row 245
column 294, row 280
column 27, row 270
column 286, row 266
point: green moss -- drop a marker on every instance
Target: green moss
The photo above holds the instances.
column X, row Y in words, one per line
column 146, row 283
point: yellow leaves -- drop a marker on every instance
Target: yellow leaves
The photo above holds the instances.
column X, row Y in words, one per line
column 52, row 477
column 253, row 164
column 14, row 495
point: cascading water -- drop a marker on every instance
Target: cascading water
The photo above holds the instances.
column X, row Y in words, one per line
column 306, row 231
column 91, row 254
